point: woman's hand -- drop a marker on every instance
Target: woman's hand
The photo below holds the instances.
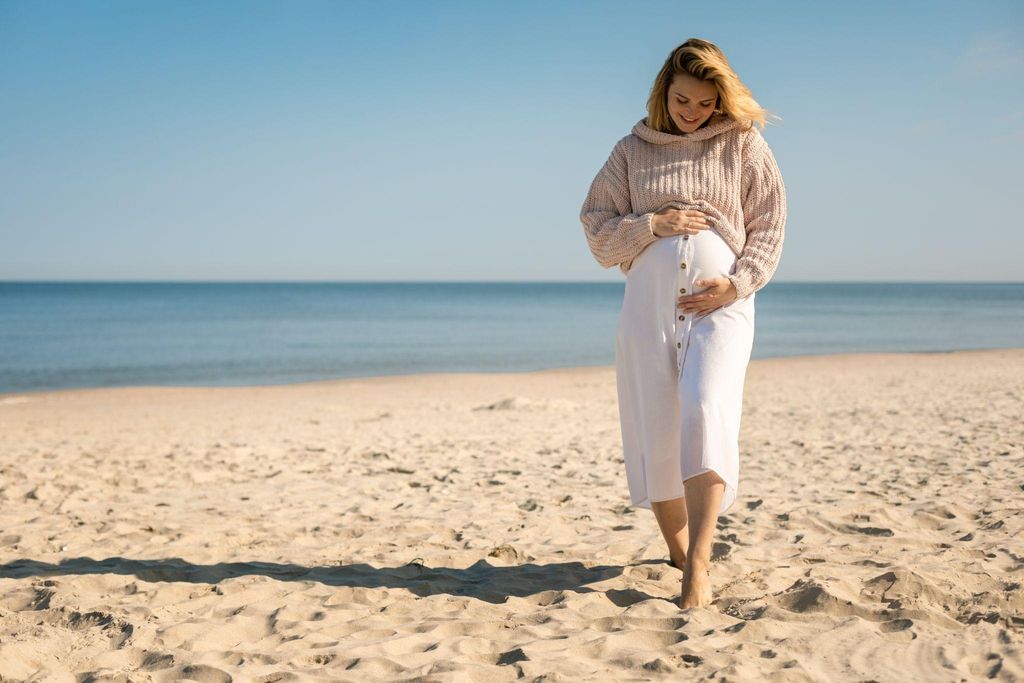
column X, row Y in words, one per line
column 720, row 292
column 669, row 221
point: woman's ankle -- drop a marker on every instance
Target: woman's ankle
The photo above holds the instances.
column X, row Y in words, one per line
column 698, row 564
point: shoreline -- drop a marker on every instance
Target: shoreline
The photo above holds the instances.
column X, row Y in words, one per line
column 6, row 396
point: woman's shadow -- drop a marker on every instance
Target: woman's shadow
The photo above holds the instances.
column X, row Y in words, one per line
column 481, row 580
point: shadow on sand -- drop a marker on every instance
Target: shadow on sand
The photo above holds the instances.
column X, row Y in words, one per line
column 483, row 581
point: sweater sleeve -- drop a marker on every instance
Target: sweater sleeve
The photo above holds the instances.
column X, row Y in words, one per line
column 614, row 233
column 764, row 215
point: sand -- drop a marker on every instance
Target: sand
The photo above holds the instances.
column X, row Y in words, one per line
column 477, row 527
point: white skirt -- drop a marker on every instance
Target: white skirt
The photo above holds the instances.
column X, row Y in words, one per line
column 680, row 378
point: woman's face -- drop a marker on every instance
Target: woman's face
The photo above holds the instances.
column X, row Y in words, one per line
column 691, row 101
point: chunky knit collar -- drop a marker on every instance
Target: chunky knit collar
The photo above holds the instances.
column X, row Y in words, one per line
column 718, row 123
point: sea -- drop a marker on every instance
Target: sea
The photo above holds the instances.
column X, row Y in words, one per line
column 60, row 335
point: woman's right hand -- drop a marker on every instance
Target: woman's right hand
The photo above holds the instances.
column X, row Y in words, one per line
column 671, row 221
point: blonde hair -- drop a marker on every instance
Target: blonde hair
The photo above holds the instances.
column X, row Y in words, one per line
column 705, row 61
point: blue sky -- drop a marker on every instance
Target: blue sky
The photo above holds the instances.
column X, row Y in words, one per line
column 456, row 140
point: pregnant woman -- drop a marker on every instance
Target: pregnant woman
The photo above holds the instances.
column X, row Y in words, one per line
column 691, row 206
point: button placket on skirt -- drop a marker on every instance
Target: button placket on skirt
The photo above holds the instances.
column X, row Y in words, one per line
column 683, row 280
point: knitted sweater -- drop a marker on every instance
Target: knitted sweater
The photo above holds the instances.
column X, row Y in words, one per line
column 719, row 168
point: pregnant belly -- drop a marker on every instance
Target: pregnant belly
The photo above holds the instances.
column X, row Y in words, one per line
column 706, row 256
column 657, row 278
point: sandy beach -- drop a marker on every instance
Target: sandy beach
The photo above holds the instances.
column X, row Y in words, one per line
column 476, row 527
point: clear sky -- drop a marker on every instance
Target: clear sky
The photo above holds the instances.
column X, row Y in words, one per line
column 456, row 140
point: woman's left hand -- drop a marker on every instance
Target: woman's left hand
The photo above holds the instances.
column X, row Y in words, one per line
column 720, row 292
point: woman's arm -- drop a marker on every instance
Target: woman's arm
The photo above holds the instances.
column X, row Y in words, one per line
column 764, row 215
column 614, row 233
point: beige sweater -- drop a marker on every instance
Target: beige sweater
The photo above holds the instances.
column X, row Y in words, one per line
column 719, row 168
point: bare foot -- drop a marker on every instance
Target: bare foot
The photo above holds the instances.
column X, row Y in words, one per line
column 696, row 585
